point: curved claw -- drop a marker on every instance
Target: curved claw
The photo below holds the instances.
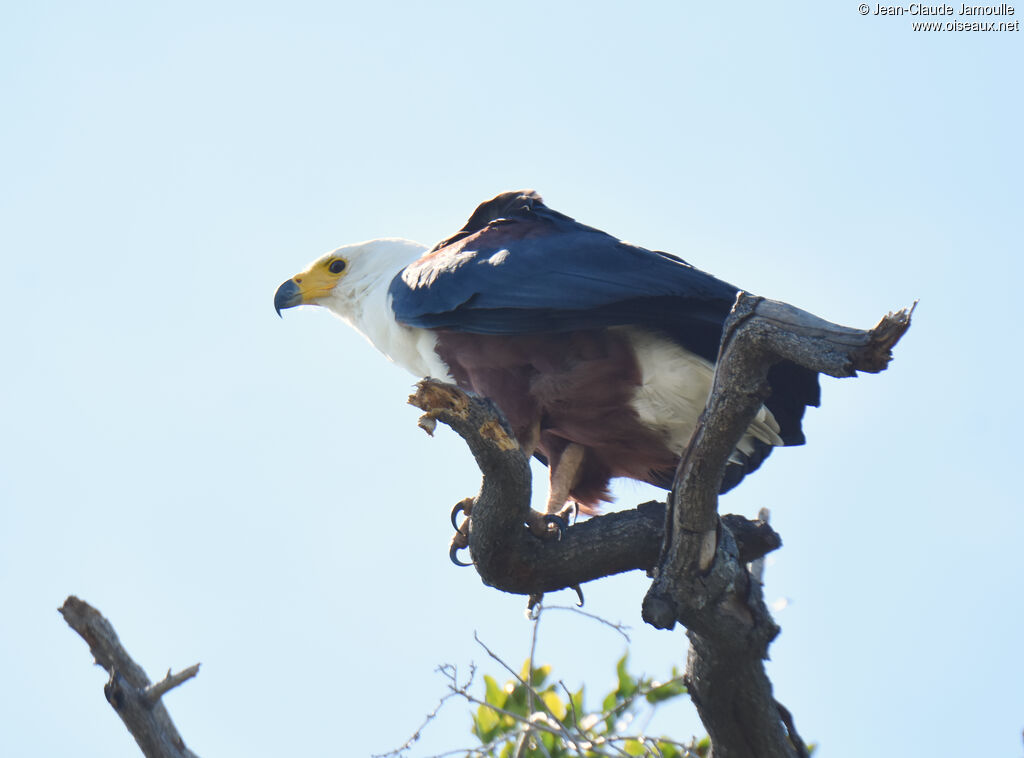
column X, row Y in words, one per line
column 533, row 606
column 579, row 594
column 460, row 507
column 454, row 555
column 559, row 523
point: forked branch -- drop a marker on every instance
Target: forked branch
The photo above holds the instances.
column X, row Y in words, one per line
column 128, row 690
column 701, row 576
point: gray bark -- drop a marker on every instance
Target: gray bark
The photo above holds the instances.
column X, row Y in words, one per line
column 128, row 690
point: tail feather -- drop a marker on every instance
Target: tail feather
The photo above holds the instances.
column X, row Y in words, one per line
column 740, row 464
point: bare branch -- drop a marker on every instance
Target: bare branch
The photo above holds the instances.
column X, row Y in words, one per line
column 505, row 554
column 620, row 628
column 128, row 690
column 454, row 690
column 156, row 691
column 701, row 581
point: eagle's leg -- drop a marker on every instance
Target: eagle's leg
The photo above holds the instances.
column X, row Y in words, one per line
column 538, row 523
column 564, row 476
column 530, row 440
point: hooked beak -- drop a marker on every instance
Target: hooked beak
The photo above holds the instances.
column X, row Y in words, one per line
column 288, row 296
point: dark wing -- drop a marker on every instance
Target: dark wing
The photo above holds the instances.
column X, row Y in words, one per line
column 518, row 267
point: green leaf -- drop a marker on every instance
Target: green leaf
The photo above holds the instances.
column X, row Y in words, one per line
column 668, row 750
column 577, row 706
column 494, row 693
column 535, row 677
column 517, row 700
column 634, row 747
column 547, row 738
column 665, row 692
column 539, row 675
column 627, row 684
column 478, row 731
column 610, row 701
column 554, row 704
column 486, row 724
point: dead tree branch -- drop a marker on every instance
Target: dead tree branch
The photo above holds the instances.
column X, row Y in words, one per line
column 701, row 578
column 511, row 559
column 128, row 690
column 505, row 554
column 700, row 581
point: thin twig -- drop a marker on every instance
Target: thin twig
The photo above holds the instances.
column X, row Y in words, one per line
column 539, row 742
column 529, row 661
column 494, row 655
column 154, row 692
column 450, row 672
column 577, row 739
column 529, row 687
column 572, row 705
column 521, row 745
column 620, row 628
column 544, row 727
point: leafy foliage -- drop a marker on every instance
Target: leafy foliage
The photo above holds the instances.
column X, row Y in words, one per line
column 531, row 716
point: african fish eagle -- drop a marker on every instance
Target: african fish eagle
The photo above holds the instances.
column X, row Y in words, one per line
column 600, row 353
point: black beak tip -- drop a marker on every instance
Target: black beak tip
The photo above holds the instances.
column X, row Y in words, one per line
column 288, row 295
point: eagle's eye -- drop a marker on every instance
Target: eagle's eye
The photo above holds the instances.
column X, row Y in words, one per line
column 337, row 266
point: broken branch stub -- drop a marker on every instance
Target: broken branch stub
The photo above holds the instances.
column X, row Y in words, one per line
column 700, row 581
column 128, row 690
column 758, row 334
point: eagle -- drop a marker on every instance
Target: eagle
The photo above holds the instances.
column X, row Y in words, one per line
column 600, row 353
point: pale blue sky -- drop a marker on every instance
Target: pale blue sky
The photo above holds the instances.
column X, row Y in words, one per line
column 254, row 493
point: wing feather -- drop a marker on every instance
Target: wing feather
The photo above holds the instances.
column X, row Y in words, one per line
column 518, row 267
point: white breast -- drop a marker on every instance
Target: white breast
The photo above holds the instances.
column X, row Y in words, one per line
column 409, row 347
column 674, row 388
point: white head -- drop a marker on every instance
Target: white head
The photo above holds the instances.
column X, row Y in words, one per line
column 341, row 279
